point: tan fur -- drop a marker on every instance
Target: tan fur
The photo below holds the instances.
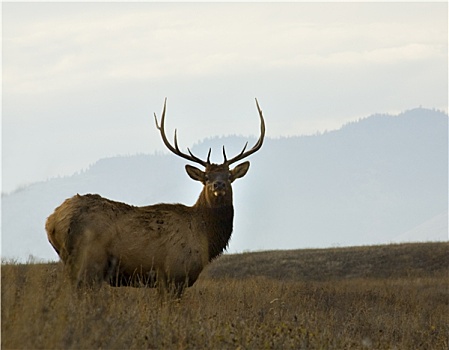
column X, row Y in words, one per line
column 99, row 239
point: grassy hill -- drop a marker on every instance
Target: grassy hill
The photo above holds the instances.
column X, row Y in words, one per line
column 392, row 296
column 384, row 261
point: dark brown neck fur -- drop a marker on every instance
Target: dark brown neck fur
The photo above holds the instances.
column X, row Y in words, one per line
column 218, row 221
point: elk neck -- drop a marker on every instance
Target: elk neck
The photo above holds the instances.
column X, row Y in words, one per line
column 217, row 218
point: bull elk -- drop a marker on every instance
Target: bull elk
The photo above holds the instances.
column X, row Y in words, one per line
column 162, row 245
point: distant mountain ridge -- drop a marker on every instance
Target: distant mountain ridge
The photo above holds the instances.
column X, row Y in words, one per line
column 372, row 181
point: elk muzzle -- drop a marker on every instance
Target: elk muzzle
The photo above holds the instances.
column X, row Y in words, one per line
column 218, row 188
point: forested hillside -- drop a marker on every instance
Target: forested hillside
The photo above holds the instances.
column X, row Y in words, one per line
column 377, row 180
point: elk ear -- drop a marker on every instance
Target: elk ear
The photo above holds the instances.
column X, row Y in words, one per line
column 195, row 173
column 239, row 171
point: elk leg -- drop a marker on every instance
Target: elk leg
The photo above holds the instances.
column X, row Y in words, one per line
column 91, row 266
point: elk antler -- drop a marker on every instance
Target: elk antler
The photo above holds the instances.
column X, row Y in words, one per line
column 195, row 159
column 175, row 149
column 256, row 147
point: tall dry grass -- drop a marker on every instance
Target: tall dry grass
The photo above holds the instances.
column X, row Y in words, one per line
column 41, row 311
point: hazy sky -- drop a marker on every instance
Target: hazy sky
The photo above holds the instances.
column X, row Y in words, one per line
column 82, row 80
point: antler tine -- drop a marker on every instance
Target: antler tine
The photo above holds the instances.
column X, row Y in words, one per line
column 258, row 144
column 224, row 155
column 198, row 160
column 175, row 149
column 208, row 155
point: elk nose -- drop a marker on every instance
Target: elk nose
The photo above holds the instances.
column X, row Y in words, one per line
column 219, row 185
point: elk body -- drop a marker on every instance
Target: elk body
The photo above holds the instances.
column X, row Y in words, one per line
column 162, row 245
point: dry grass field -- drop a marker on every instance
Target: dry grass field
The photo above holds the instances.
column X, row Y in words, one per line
column 378, row 297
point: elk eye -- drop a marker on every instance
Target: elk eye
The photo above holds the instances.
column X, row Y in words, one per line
column 206, row 177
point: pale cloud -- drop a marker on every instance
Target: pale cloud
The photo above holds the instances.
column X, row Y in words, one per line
column 168, row 41
column 381, row 56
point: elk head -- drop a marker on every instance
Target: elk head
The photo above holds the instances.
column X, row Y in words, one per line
column 216, row 178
